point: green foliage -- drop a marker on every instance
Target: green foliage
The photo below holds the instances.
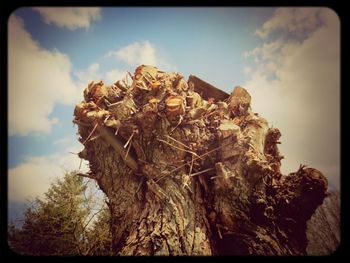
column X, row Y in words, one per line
column 62, row 223
column 99, row 236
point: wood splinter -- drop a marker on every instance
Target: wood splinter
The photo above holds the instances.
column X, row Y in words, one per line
column 202, row 172
column 87, row 138
column 128, row 141
column 118, row 146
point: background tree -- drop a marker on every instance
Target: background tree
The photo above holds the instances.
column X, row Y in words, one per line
column 99, row 236
column 60, row 223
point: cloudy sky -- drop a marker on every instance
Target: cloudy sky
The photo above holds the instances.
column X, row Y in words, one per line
column 287, row 58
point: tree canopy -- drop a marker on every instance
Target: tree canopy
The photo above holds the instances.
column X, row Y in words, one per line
column 67, row 221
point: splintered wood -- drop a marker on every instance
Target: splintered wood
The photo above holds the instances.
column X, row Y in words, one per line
column 169, row 154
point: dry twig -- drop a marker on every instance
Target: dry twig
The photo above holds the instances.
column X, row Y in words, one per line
column 87, row 138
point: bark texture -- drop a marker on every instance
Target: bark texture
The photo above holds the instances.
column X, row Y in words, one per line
column 186, row 175
column 323, row 228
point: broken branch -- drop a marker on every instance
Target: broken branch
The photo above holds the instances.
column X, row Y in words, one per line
column 87, row 138
column 179, row 148
column 203, row 171
column 118, row 146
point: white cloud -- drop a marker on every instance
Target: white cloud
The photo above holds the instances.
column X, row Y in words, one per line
column 38, row 79
column 266, row 51
column 93, row 73
column 294, row 20
column 139, row 53
column 136, row 53
column 304, row 100
column 69, row 17
column 113, row 75
column 133, row 55
column 247, row 70
column 33, row 177
column 87, row 75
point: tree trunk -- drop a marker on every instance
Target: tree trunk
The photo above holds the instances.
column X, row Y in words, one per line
column 188, row 176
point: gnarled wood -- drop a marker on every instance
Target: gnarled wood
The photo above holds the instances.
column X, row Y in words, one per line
column 199, row 178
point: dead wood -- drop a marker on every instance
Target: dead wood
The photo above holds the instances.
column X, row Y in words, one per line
column 191, row 170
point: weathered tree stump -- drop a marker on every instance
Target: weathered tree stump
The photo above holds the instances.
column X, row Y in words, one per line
column 191, row 176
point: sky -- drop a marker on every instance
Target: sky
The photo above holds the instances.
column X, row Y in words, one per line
column 287, row 58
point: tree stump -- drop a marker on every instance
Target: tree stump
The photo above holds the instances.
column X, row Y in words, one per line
column 186, row 175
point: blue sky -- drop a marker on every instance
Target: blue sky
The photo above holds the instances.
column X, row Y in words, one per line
column 207, row 42
column 279, row 55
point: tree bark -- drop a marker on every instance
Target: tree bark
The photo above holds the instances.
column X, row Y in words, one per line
column 189, row 176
